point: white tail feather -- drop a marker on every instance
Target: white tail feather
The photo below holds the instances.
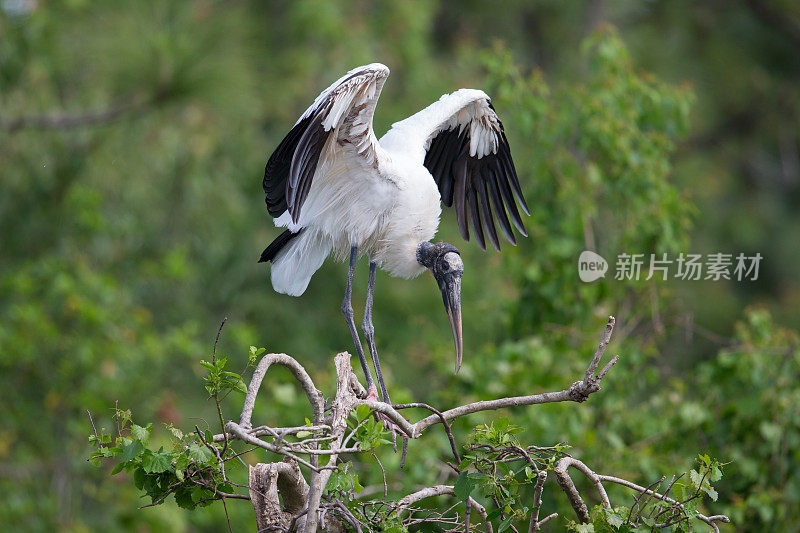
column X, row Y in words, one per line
column 293, row 267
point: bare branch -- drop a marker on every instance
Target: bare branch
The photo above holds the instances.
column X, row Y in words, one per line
column 535, row 525
column 638, row 503
column 577, row 392
column 569, row 489
column 314, row 396
column 710, row 520
column 601, row 349
column 213, row 450
column 440, row 490
column 282, row 432
column 566, row 462
column 547, row 518
column 391, row 414
column 438, row 413
column 266, row 482
column 240, row 433
column 489, row 405
column 343, row 404
column 96, row 436
column 383, row 472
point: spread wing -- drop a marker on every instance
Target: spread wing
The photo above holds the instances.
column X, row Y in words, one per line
column 343, row 114
column 463, row 145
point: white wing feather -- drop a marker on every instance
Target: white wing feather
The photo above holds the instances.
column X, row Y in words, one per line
column 464, row 108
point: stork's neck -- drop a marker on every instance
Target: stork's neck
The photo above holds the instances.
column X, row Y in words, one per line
column 428, row 252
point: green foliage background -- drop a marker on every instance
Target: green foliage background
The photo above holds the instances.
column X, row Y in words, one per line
column 124, row 242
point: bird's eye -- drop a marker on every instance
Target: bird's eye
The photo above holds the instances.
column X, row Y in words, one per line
column 445, row 266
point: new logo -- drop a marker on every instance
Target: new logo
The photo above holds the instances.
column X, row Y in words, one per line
column 591, row 266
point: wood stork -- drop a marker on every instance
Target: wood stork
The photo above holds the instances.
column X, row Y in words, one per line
column 339, row 190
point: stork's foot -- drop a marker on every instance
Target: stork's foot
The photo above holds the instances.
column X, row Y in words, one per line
column 394, row 429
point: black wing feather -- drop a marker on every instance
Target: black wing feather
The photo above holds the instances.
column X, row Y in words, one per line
column 291, row 168
column 486, row 210
column 277, row 245
column 483, row 190
column 304, row 164
column 499, row 209
column 460, row 196
column 474, row 213
column 276, row 172
column 508, row 164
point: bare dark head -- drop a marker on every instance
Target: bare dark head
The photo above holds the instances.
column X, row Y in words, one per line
column 444, row 261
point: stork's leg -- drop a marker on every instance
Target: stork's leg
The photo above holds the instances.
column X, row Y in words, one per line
column 369, row 331
column 347, row 311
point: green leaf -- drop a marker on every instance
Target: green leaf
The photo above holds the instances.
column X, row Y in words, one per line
column 712, row 493
column 107, row 452
column 181, row 462
column 505, row 524
column 362, row 412
column 124, row 417
column 200, row 454
column 254, row 353
column 143, row 434
column 614, row 520
column 132, row 450
column 177, row 433
column 138, row 478
column 201, row 493
column 183, row 497
column 494, row 514
column 240, row 386
column 463, row 486
column 156, row 463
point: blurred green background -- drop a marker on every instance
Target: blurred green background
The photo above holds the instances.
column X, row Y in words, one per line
column 133, row 136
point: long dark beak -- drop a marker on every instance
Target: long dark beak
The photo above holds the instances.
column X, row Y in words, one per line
column 451, row 294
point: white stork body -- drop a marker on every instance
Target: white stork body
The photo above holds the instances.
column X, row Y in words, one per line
column 337, row 189
column 386, row 215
